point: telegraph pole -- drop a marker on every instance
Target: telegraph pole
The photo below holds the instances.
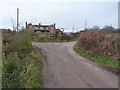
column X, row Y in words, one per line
column 118, row 27
column 73, row 29
column 17, row 19
column 85, row 25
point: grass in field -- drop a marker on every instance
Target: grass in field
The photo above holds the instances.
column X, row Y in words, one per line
column 105, row 61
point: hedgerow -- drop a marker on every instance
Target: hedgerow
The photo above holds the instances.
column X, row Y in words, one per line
column 18, row 56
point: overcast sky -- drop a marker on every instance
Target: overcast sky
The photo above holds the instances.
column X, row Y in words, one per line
column 65, row 14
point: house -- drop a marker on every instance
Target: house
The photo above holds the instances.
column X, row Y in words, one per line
column 59, row 31
column 51, row 29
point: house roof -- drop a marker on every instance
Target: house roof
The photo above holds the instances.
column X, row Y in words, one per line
column 44, row 25
column 41, row 25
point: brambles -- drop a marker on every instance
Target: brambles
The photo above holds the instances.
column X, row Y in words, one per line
column 96, row 42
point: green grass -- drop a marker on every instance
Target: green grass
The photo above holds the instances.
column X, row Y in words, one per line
column 108, row 35
column 105, row 61
column 33, row 74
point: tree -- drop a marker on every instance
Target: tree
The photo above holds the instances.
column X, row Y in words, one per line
column 109, row 29
column 13, row 24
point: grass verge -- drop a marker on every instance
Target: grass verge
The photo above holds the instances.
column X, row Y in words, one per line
column 33, row 74
column 105, row 61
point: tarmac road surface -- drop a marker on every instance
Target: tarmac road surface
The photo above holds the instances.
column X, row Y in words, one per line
column 64, row 68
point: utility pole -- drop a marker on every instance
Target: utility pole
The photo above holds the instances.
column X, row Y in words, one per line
column 118, row 26
column 17, row 19
column 85, row 25
column 73, row 29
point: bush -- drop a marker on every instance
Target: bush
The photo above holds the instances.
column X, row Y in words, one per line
column 98, row 43
column 65, row 37
column 21, row 67
column 21, row 43
column 11, row 72
column 109, row 30
column 40, row 37
column 74, row 36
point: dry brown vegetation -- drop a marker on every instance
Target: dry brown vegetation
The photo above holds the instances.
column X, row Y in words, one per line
column 95, row 42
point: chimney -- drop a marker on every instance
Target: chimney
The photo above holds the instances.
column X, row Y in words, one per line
column 54, row 24
column 25, row 23
column 39, row 24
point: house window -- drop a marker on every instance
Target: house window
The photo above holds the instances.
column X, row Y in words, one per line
column 30, row 26
column 41, row 27
column 52, row 28
column 46, row 28
column 35, row 27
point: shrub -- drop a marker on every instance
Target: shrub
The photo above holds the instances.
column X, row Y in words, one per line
column 65, row 37
column 98, row 43
column 20, row 62
column 41, row 37
column 21, row 43
column 11, row 72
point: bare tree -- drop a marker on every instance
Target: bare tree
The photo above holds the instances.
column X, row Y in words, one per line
column 109, row 29
column 13, row 24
